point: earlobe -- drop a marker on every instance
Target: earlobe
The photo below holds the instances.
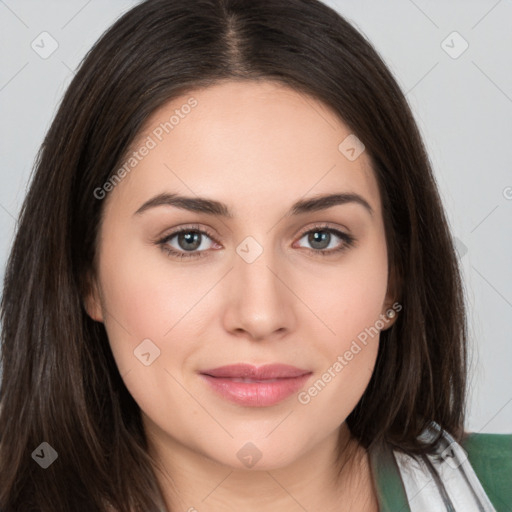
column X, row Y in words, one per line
column 391, row 314
column 92, row 302
column 392, row 307
column 391, row 311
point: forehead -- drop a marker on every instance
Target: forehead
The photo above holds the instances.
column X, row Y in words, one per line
column 246, row 141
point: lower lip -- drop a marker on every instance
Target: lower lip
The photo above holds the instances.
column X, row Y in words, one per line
column 256, row 394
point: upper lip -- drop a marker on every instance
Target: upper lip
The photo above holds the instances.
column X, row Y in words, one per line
column 248, row 371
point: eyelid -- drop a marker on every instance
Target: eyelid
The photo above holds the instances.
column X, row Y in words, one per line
column 206, row 231
column 185, row 228
column 324, row 225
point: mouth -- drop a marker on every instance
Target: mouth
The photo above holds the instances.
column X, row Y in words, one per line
column 253, row 386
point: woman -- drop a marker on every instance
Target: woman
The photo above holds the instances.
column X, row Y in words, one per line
column 233, row 285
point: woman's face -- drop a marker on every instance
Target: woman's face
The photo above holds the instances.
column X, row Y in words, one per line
column 278, row 278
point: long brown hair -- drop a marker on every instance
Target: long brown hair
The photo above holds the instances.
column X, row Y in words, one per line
column 60, row 383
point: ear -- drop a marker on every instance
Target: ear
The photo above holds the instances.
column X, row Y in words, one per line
column 92, row 300
column 391, row 311
column 391, row 307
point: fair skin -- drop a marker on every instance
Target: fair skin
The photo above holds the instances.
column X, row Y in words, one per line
column 258, row 147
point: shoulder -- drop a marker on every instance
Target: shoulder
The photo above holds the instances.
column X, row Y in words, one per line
column 477, row 469
column 490, row 455
column 488, row 446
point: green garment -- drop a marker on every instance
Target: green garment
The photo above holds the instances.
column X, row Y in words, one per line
column 490, row 455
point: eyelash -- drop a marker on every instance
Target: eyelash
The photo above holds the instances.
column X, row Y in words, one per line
column 349, row 241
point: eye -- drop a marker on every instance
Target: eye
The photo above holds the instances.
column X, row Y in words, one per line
column 324, row 237
column 186, row 243
column 190, row 241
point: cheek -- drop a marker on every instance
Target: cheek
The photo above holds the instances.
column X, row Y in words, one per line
column 145, row 299
column 352, row 296
column 145, row 292
column 351, row 309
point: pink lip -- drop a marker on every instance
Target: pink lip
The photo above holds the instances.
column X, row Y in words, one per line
column 273, row 383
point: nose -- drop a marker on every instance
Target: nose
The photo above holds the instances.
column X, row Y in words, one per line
column 261, row 304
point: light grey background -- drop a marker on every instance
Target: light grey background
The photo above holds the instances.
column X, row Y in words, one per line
column 463, row 106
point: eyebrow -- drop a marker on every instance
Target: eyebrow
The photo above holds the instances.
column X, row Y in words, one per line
column 212, row 207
